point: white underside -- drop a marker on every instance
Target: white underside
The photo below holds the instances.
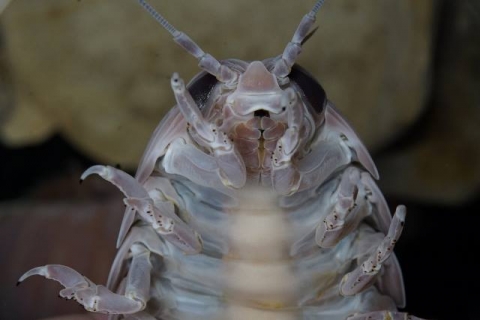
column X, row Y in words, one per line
column 260, row 279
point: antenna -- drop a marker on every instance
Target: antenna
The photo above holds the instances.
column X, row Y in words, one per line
column 205, row 61
column 294, row 47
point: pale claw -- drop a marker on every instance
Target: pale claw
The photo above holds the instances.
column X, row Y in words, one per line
column 92, row 297
column 364, row 275
column 122, row 180
column 67, row 277
column 162, row 219
column 382, row 315
column 129, row 186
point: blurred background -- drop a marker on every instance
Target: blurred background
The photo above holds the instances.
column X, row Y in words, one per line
column 86, row 81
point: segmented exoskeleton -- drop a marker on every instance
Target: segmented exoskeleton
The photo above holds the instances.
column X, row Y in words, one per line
column 253, row 200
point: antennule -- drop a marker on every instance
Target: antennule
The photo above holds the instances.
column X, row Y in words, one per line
column 205, row 61
column 294, row 47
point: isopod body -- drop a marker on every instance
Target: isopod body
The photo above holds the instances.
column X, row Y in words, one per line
column 254, row 199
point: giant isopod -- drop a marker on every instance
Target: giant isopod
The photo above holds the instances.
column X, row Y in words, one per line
column 254, row 199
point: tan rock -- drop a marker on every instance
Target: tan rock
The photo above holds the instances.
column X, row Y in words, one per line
column 4, row 4
column 98, row 71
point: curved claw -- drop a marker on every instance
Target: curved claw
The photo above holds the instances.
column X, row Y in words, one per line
column 92, row 297
column 138, row 199
column 67, row 277
column 127, row 184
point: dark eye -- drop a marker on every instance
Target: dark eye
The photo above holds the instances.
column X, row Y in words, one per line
column 200, row 87
column 310, row 89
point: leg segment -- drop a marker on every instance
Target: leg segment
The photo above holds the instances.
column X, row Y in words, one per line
column 285, row 177
column 166, row 223
column 312, row 170
column 224, row 156
column 382, row 216
column 98, row 298
column 328, row 153
column 344, row 216
column 144, row 235
column 355, row 188
column 336, row 146
column 365, row 274
column 123, row 182
column 187, row 160
column 160, row 214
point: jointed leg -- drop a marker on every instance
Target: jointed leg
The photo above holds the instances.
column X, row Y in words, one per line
column 223, row 158
column 365, row 274
column 345, row 215
column 328, row 153
column 160, row 214
column 98, row 298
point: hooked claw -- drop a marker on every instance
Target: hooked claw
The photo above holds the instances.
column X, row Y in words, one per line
column 161, row 215
column 93, row 297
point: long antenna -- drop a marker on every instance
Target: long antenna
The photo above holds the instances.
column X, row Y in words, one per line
column 160, row 19
column 294, row 47
column 206, row 61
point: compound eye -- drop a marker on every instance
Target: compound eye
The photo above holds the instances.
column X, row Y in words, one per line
column 200, row 88
column 311, row 90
